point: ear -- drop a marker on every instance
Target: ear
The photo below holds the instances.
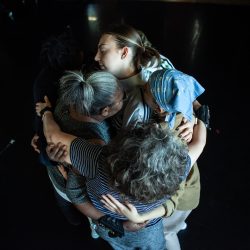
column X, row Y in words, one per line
column 160, row 110
column 105, row 111
column 124, row 52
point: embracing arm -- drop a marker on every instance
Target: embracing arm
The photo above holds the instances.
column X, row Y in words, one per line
column 51, row 130
column 53, row 134
column 198, row 142
column 128, row 210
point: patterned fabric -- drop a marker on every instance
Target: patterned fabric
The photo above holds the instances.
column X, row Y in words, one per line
column 135, row 109
column 175, row 92
column 89, row 160
column 86, row 130
column 165, row 64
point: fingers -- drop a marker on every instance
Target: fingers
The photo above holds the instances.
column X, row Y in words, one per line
column 34, row 142
column 38, row 109
column 56, row 152
column 186, row 135
column 185, row 130
column 183, row 126
column 130, row 206
column 114, row 200
column 37, row 150
column 41, row 105
column 112, row 203
column 109, row 208
column 46, row 99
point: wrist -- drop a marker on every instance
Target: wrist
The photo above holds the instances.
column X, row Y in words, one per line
column 44, row 110
column 141, row 218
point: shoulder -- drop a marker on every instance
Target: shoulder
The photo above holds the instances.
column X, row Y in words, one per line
column 164, row 64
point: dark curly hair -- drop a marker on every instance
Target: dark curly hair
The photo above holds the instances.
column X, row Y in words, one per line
column 62, row 52
column 147, row 163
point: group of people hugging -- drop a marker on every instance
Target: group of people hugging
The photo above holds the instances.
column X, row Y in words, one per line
column 120, row 141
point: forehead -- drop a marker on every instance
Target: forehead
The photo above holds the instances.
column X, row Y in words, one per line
column 107, row 39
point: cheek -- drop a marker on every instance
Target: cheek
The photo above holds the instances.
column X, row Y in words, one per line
column 113, row 59
column 108, row 60
column 148, row 99
column 119, row 107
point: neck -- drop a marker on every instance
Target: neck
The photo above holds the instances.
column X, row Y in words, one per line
column 131, row 71
column 85, row 118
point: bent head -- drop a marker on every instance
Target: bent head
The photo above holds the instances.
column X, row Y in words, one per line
column 147, row 163
column 171, row 91
column 62, row 52
column 96, row 94
column 122, row 50
column 151, row 101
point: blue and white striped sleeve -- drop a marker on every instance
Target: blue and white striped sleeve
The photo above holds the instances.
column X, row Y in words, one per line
column 84, row 157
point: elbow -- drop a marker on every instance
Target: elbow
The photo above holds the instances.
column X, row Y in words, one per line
column 52, row 137
column 49, row 137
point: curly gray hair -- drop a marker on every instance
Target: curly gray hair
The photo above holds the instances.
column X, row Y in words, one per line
column 148, row 162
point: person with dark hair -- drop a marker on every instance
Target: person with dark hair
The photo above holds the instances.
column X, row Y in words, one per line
column 58, row 53
column 143, row 166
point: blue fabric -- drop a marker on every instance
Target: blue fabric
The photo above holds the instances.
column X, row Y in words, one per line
column 175, row 92
column 148, row 238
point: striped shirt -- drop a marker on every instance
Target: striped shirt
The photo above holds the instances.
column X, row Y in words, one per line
column 89, row 160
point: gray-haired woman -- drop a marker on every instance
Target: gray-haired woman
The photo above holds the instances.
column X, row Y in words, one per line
column 85, row 101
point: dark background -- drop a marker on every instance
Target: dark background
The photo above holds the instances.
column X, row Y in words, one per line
column 207, row 40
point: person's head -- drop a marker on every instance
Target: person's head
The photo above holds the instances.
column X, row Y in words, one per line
column 171, row 91
column 147, row 163
column 123, row 50
column 62, row 52
column 96, row 94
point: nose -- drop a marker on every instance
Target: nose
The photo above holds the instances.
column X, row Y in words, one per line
column 97, row 57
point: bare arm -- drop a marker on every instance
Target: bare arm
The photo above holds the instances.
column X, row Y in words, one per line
column 198, row 142
column 128, row 210
column 53, row 134
column 52, row 131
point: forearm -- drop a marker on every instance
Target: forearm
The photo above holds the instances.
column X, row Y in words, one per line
column 53, row 133
column 155, row 213
column 198, row 142
column 50, row 128
column 165, row 210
